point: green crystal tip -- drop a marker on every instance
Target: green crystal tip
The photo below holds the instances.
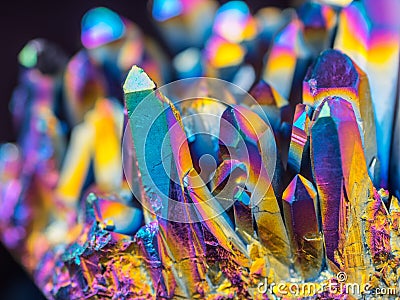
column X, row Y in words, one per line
column 28, row 56
column 137, row 80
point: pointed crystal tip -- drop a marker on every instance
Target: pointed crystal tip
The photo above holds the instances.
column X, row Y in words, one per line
column 333, row 69
column 137, row 80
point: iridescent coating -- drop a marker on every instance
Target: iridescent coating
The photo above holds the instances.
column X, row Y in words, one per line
column 223, row 57
column 275, row 110
column 298, row 158
column 105, row 264
column 234, row 23
column 269, row 21
column 206, row 208
column 167, row 135
column 377, row 228
column 11, row 188
column 138, row 90
column 327, row 152
column 250, row 128
column 228, row 179
column 189, row 185
column 164, row 10
column 143, row 86
column 42, row 138
column 340, row 173
column 146, row 239
column 134, row 49
column 319, row 21
column 267, row 95
column 10, row 162
column 245, row 77
column 206, row 205
column 372, row 40
column 101, row 26
column 271, row 103
column 77, row 163
column 98, row 264
column 44, row 56
column 394, row 211
column 382, row 238
column 223, row 217
column 115, row 216
column 300, row 211
column 31, row 170
column 200, row 118
column 280, row 68
column 101, row 131
column 342, row 3
column 188, row 63
column 294, row 47
column 394, row 168
column 35, row 102
column 113, row 44
column 244, row 221
column 335, row 74
column 85, row 84
column 184, row 23
column 228, row 183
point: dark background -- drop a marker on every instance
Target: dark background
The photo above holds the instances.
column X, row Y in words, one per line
column 59, row 22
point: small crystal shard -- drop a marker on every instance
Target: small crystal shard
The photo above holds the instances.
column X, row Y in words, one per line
column 298, row 158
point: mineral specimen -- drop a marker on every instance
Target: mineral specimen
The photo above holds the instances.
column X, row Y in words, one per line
column 127, row 189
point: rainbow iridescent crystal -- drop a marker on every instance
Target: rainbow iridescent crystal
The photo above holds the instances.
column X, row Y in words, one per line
column 281, row 172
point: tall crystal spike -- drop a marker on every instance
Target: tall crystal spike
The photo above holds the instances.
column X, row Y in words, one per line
column 340, row 173
column 335, row 74
column 240, row 125
column 300, row 211
column 167, row 135
column 371, row 38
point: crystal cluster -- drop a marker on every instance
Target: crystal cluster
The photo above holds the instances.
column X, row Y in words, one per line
column 119, row 189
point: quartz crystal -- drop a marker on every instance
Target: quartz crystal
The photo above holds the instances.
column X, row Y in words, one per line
column 272, row 173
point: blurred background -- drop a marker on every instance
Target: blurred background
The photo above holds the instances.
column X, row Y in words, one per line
column 59, row 22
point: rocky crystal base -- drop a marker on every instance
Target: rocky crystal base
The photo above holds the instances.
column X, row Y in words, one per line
column 198, row 190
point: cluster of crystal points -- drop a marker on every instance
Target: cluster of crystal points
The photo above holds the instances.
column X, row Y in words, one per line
column 66, row 208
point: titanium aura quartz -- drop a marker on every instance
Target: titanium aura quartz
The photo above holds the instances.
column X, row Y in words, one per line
column 130, row 193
